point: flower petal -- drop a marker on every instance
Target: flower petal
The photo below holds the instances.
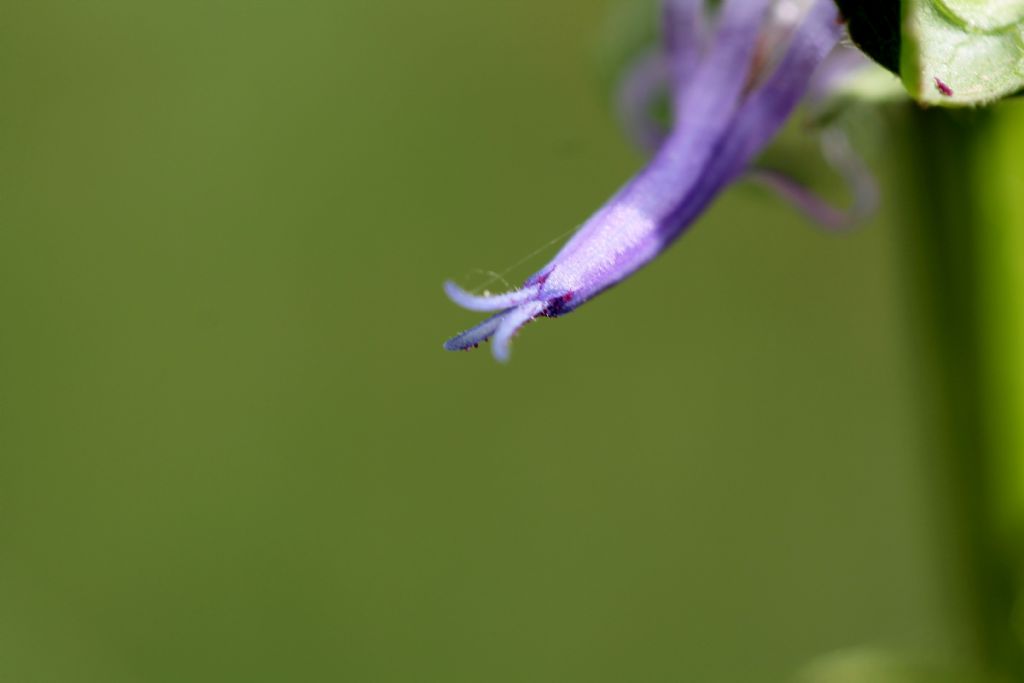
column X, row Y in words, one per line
column 767, row 107
column 641, row 219
column 685, row 34
column 685, row 30
column 816, row 208
column 711, row 93
column 510, row 324
column 705, row 107
column 774, row 100
column 637, row 92
column 724, row 114
column 474, row 336
column 846, row 162
column 841, row 157
column 489, row 302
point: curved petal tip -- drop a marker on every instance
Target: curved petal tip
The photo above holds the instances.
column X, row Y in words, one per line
column 511, row 322
column 474, row 336
column 489, row 302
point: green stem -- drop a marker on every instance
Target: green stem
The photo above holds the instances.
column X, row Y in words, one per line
column 950, row 239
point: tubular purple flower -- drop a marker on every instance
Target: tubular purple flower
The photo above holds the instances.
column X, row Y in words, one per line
column 730, row 94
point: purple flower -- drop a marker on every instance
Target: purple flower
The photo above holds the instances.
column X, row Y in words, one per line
column 731, row 90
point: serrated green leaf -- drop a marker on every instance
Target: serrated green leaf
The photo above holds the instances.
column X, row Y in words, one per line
column 962, row 52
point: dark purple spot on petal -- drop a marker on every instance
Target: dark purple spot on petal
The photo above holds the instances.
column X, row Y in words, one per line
column 942, row 87
column 558, row 306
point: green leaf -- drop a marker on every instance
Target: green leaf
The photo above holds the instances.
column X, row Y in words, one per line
column 962, row 52
column 947, row 52
column 878, row 666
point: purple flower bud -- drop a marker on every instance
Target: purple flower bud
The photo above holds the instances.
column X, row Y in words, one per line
column 730, row 94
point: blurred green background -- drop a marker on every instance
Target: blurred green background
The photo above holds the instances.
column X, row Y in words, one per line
column 232, row 449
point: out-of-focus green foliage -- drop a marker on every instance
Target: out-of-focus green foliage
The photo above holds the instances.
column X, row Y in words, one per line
column 232, row 449
column 877, row 666
column 1000, row 186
